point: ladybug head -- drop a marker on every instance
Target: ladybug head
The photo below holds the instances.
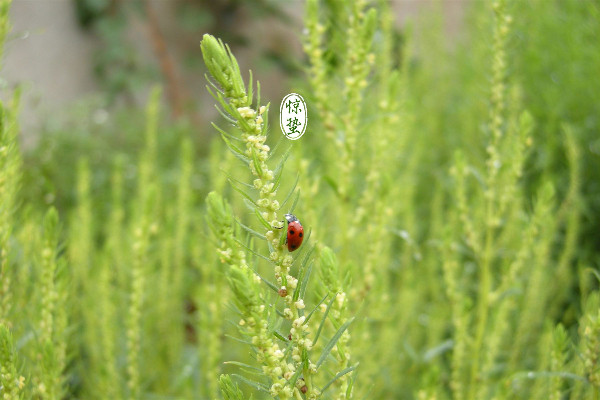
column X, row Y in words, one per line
column 290, row 218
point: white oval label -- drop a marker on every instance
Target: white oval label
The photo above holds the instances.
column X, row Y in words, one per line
column 293, row 116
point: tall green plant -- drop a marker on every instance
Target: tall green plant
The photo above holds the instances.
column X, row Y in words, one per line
column 288, row 370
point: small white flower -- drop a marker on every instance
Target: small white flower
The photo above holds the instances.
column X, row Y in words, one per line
column 340, row 298
column 298, row 322
column 275, row 389
column 287, row 261
column 263, row 203
column 246, row 112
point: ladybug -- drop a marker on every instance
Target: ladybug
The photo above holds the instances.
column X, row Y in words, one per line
column 295, row 232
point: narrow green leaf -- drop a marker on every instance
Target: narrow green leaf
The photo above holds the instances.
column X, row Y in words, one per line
column 333, row 341
column 323, row 320
column 257, row 385
column 250, row 230
column 301, row 272
column 242, row 157
column 246, row 196
column 274, row 148
column 280, row 313
column 226, row 108
column 229, row 390
column 257, row 92
column 265, row 128
column 274, row 323
column 263, row 221
column 256, row 161
column 293, row 207
column 229, row 108
column 243, row 365
column 302, row 290
column 228, row 142
column 254, row 252
column 226, row 134
column 350, row 385
column 249, row 92
column 241, row 122
column 283, row 236
column 338, row 376
column 226, row 116
column 211, row 83
column 270, row 247
column 310, row 314
column 248, row 342
column 280, row 336
column 290, row 193
column 288, row 348
column 269, row 284
column 278, row 172
column 249, row 205
column 234, row 181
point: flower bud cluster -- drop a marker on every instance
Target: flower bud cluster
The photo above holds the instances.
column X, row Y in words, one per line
column 271, row 356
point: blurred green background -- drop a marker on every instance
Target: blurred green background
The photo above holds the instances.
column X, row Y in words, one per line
column 86, row 69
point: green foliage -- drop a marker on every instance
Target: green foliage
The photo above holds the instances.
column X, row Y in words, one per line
column 11, row 383
column 448, row 197
column 287, row 368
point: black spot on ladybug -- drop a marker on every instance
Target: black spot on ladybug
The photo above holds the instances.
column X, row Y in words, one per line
column 300, row 234
column 292, row 232
column 293, row 246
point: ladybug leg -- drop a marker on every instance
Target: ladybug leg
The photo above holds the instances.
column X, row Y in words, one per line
column 281, row 227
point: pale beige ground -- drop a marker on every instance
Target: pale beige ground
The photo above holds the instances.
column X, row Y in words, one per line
column 51, row 56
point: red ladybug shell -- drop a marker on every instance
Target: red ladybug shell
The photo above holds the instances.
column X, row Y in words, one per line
column 295, row 232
